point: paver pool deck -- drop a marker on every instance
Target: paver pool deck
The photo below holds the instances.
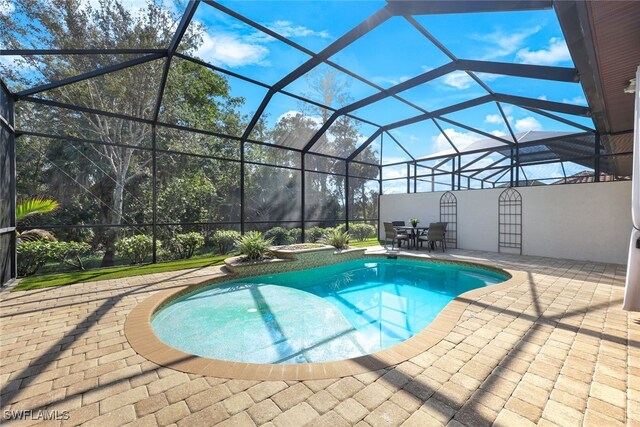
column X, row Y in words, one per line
column 555, row 349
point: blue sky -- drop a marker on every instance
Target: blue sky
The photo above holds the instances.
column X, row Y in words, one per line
column 391, row 53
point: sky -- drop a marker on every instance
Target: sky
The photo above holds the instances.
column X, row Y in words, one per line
column 390, row 54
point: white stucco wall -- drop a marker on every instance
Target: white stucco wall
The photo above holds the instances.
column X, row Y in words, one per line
column 580, row 221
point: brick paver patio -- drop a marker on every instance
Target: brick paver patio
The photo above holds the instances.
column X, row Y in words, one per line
column 557, row 350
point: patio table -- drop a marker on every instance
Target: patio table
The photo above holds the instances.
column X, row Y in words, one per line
column 413, row 232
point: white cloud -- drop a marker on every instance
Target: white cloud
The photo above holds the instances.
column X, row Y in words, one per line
column 231, row 51
column 542, row 97
column 505, row 43
column 556, row 52
column 494, row 119
column 135, row 7
column 507, row 109
column 395, row 172
column 394, row 187
column 487, row 161
column 12, row 61
column 6, row 7
column 575, row 100
column 288, row 114
column 462, row 80
column 460, row 139
column 384, row 81
column 288, row 29
column 458, row 80
column 394, row 159
column 20, row 65
column 527, row 124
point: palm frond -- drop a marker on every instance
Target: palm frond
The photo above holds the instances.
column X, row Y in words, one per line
column 35, row 206
column 36, row 234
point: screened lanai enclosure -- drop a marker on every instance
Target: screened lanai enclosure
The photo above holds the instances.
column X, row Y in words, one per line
column 169, row 118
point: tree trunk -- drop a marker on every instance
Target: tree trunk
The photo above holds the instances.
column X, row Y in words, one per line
column 364, row 202
column 116, row 218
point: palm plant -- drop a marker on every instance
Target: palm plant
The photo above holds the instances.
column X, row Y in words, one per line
column 337, row 238
column 253, row 245
column 34, row 206
column 28, row 208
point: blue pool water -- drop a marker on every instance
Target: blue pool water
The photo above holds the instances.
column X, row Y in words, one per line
column 322, row 314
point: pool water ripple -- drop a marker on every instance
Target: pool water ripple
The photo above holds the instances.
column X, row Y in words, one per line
column 322, row 314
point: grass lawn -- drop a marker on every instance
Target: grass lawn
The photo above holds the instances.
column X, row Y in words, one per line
column 365, row 243
column 61, row 279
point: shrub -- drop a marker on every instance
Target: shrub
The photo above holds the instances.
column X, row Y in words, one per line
column 136, row 248
column 225, row 240
column 314, row 234
column 361, row 232
column 279, row 236
column 253, row 245
column 32, row 255
column 337, row 238
column 70, row 253
column 182, row 246
column 296, row 235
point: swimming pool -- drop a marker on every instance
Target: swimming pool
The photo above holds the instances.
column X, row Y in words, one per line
column 323, row 314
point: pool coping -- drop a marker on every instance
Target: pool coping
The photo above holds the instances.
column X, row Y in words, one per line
column 144, row 341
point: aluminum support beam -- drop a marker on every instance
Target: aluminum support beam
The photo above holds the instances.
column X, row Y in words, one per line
column 399, row 145
column 173, row 46
column 478, row 131
column 559, row 107
column 560, row 119
column 365, row 145
column 437, row 113
column 541, row 72
column 89, row 75
column 41, row 52
column 437, row 7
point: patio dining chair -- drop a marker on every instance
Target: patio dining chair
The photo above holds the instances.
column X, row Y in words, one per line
column 436, row 233
column 398, row 223
column 392, row 234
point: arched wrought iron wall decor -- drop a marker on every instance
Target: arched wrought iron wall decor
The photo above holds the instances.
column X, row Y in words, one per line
column 449, row 214
column 510, row 220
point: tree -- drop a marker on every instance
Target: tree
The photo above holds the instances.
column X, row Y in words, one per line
column 194, row 95
column 340, row 140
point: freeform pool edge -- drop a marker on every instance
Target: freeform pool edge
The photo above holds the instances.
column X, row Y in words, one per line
column 144, row 341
